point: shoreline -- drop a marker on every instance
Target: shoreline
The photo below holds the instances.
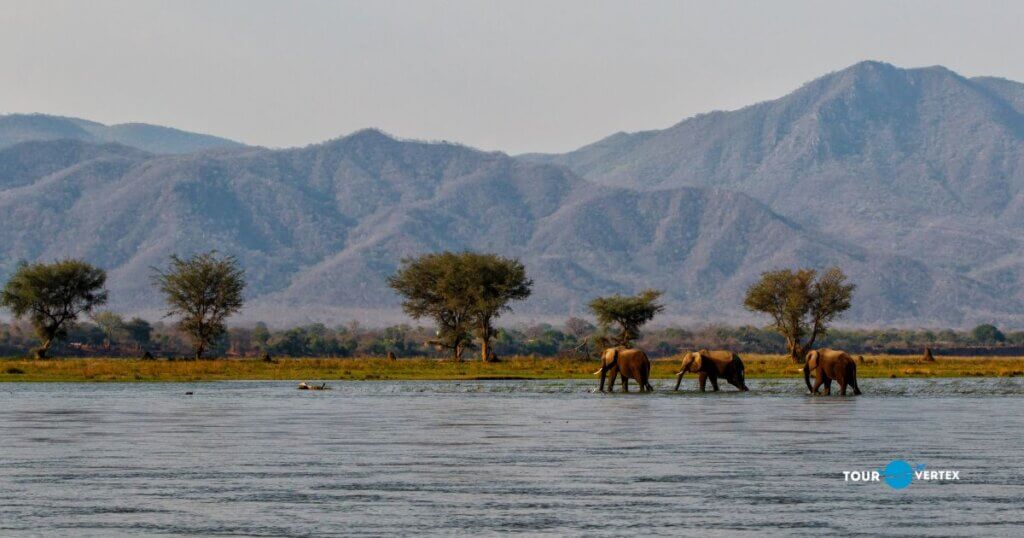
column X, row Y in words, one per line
column 425, row 369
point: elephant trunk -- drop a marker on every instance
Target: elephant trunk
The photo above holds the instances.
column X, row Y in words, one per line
column 679, row 379
column 807, row 378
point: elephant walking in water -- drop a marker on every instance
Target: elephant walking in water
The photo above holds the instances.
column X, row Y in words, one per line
column 631, row 363
column 712, row 365
column 828, row 365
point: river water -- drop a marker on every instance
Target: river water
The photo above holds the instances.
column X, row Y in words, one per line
column 534, row 457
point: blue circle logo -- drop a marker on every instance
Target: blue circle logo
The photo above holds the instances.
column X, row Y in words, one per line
column 898, row 474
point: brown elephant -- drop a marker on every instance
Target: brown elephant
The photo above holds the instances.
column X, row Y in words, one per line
column 630, row 363
column 828, row 365
column 712, row 365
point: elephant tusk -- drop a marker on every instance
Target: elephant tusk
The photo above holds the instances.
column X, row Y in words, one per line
column 596, row 372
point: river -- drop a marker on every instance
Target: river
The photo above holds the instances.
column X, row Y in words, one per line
column 484, row 457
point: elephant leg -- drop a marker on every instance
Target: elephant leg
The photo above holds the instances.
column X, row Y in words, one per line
column 625, row 383
column 817, row 385
column 828, row 386
column 714, row 382
column 842, row 387
column 703, row 378
column 856, row 389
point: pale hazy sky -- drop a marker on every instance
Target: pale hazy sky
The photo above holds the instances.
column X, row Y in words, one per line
column 516, row 76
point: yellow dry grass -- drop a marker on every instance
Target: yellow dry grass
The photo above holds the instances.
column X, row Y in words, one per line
column 758, row 366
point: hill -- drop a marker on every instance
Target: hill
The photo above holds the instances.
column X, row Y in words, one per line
column 320, row 228
column 909, row 179
column 921, row 163
column 17, row 128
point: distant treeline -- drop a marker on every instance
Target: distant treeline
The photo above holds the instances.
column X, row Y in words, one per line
column 113, row 336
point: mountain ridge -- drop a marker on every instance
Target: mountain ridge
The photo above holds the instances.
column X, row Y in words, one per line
column 17, row 128
column 912, row 181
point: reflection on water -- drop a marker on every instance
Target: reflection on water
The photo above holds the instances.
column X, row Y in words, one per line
column 539, row 457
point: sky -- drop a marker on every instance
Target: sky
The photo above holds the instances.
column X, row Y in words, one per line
column 517, row 76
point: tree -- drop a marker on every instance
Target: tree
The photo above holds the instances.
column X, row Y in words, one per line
column 203, row 291
column 801, row 305
column 52, row 296
column 261, row 336
column 448, row 287
column 111, row 324
column 494, row 283
column 139, row 331
column 987, row 334
column 629, row 313
column 579, row 328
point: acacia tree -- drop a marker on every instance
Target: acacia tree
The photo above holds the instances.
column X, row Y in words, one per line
column 438, row 286
column 801, row 304
column 494, row 283
column 203, row 291
column 463, row 292
column 52, row 296
column 628, row 313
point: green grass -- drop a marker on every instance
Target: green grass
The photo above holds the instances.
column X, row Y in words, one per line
column 758, row 366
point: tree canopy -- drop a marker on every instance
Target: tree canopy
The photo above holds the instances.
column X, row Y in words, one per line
column 112, row 326
column 801, row 304
column 987, row 333
column 203, row 291
column 53, row 295
column 628, row 313
column 462, row 292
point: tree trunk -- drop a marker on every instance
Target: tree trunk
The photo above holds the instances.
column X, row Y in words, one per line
column 796, row 352
column 40, row 352
column 485, row 348
column 199, row 351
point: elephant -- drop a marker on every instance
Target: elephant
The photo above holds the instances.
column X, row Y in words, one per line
column 829, row 364
column 631, row 363
column 712, row 365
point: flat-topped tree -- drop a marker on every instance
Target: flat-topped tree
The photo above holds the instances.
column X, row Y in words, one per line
column 462, row 292
column 628, row 313
column 496, row 281
column 53, row 295
column 801, row 304
column 203, row 291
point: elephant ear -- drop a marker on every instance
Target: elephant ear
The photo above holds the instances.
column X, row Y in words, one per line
column 698, row 360
column 812, row 359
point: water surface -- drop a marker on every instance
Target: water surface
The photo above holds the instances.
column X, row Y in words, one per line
column 536, row 457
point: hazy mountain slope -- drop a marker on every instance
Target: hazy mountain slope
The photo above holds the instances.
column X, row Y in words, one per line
column 17, row 128
column 916, row 162
column 319, row 228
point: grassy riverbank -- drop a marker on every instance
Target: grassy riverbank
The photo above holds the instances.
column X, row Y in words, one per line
column 758, row 366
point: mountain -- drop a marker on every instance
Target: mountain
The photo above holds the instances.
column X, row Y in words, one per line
column 17, row 128
column 319, row 228
column 922, row 163
column 908, row 179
